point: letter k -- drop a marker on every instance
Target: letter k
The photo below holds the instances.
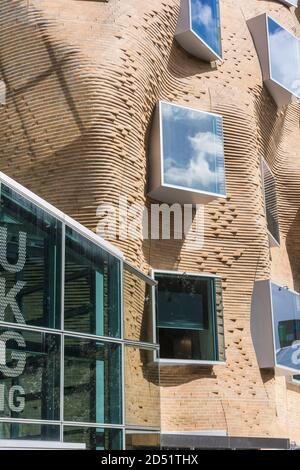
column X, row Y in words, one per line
column 9, row 299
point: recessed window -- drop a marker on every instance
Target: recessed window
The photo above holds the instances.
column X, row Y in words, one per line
column 189, row 317
column 199, row 30
column 269, row 186
column 279, row 54
column 187, row 155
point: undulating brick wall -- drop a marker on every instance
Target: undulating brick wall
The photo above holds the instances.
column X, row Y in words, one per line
column 82, row 81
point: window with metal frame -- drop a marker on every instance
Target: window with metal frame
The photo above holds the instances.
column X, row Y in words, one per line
column 278, row 50
column 189, row 317
column 186, row 155
column 269, row 187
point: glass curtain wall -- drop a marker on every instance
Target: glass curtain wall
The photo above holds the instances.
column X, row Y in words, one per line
column 63, row 347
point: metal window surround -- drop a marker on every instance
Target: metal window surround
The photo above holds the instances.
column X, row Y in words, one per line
column 188, row 159
column 289, row 3
column 275, row 327
column 190, row 39
column 259, row 29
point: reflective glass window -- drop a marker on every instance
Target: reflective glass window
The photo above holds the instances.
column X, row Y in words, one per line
column 293, row 3
column 29, row 374
column 188, row 323
column 193, row 153
column 284, row 50
column 28, row 431
column 205, row 21
column 92, row 381
column 30, row 262
column 142, row 394
column 92, row 288
column 139, row 440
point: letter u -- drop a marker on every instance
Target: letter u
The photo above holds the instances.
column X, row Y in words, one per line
column 12, row 268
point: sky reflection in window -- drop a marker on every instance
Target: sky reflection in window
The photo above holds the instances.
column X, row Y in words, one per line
column 192, row 143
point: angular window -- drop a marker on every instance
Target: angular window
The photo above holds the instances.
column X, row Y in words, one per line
column 92, row 288
column 189, row 318
column 142, row 394
column 30, row 262
column 279, row 54
column 187, row 155
column 276, row 327
column 269, row 186
column 29, row 375
column 199, row 30
column 92, row 383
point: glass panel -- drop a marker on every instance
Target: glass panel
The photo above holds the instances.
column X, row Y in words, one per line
column 138, row 440
column 94, row 438
column 92, row 288
column 30, row 262
column 183, row 302
column 284, row 57
column 286, row 313
column 92, row 388
column 190, row 317
column 205, row 18
column 193, row 154
column 29, row 374
column 220, row 320
column 142, row 395
column 138, row 315
column 31, row 432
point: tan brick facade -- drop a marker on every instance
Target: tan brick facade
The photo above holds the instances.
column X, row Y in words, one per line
column 82, row 81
